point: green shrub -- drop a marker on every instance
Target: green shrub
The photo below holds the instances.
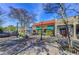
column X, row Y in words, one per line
column 21, row 34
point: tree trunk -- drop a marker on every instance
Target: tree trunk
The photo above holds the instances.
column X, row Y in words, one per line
column 66, row 23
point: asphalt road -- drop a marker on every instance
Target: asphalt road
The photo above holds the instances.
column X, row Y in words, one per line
column 8, row 38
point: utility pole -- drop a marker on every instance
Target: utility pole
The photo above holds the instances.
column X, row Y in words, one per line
column 17, row 30
column 41, row 31
column 41, row 25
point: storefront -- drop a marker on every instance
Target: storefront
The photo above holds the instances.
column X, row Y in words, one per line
column 55, row 27
column 48, row 28
column 63, row 30
column 77, row 31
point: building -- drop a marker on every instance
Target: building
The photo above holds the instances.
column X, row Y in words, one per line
column 47, row 27
column 57, row 26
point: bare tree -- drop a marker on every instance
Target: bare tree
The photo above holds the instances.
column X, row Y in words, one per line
column 1, row 22
column 60, row 9
column 25, row 18
column 2, row 12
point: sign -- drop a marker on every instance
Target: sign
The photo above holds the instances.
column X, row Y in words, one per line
column 38, row 28
column 50, row 28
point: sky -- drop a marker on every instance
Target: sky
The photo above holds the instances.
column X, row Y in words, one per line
column 33, row 8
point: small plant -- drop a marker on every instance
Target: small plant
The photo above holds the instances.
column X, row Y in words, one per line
column 21, row 34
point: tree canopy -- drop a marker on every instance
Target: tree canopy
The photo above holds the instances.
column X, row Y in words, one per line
column 23, row 16
column 10, row 28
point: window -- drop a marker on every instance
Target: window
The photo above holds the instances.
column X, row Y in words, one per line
column 75, row 17
column 78, row 19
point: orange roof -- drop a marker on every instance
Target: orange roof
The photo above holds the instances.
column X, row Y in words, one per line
column 52, row 22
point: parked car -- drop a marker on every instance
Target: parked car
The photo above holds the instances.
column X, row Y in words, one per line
column 4, row 34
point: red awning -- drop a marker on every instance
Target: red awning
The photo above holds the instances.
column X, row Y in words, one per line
column 45, row 23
